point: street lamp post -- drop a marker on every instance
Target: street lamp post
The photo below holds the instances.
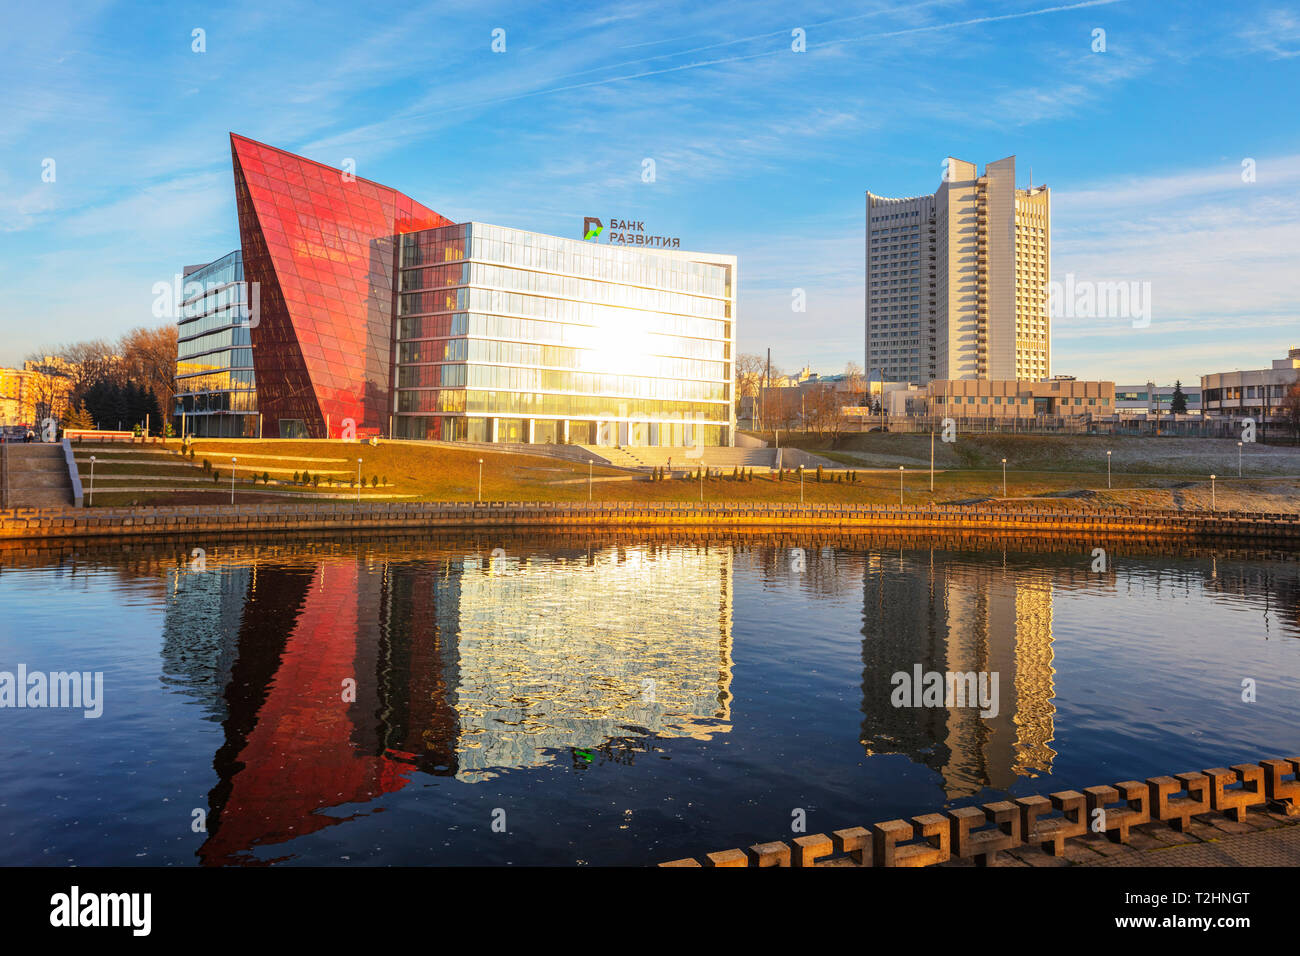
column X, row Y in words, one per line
column 92, row 481
column 1004, row 477
column 701, row 485
column 1213, row 501
column 1238, row 459
column 932, row 456
column 232, row 479
column 589, row 461
column 480, row 480
column 900, row 486
column 358, row 481
column 1107, row 469
column 801, row 484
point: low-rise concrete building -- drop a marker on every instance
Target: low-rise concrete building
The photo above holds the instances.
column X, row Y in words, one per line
column 1020, row 400
column 1257, row 393
column 1152, row 399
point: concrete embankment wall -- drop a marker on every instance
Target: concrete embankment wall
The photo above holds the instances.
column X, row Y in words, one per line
column 254, row 518
column 1049, row 824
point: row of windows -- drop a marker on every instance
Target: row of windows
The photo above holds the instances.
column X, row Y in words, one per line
column 431, row 246
column 238, row 335
column 550, row 431
column 533, row 351
column 448, row 350
column 1234, row 392
column 563, row 406
column 216, row 361
column 216, row 381
column 1193, row 398
column 556, row 254
column 568, row 287
column 651, row 307
column 1022, row 400
column 558, row 310
column 593, row 383
column 229, row 268
column 221, row 319
column 589, row 406
column 496, row 376
column 217, row 402
column 593, row 290
column 433, row 277
column 216, row 299
column 434, row 326
column 549, row 356
column 443, row 400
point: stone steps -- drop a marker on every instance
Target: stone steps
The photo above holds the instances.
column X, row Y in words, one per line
column 38, row 477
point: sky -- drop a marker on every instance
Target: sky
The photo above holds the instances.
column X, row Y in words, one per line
column 1170, row 142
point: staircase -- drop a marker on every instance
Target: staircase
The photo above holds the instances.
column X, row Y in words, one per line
column 36, row 477
column 654, row 456
column 721, row 457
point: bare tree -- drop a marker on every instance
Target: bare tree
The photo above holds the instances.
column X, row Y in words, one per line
column 149, row 357
column 749, row 379
column 781, row 407
column 47, row 387
column 855, row 382
column 143, row 355
column 1290, row 408
column 87, row 362
column 749, row 374
column 822, row 407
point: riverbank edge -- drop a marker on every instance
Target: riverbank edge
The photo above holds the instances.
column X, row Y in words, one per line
column 252, row 518
column 1098, row 822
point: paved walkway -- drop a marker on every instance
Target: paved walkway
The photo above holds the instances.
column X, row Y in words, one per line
column 1278, row 847
column 1265, row 838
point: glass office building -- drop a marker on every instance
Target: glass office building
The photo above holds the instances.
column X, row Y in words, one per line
column 512, row 336
column 216, row 393
column 379, row 316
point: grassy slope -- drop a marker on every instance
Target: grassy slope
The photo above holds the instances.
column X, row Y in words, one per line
column 1184, row 457
column 1061, row 468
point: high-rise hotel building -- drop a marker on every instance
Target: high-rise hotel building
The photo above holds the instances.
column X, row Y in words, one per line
column 367, row 313
column 957, row 281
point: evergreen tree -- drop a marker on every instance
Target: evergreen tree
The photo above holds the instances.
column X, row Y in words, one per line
column 1178, row 403
column 76, row 416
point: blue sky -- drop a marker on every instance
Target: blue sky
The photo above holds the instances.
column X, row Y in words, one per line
column 759, row 151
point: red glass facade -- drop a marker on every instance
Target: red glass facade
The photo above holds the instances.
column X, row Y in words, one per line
column 321, row 246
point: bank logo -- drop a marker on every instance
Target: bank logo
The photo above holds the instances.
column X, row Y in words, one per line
column 592, row 227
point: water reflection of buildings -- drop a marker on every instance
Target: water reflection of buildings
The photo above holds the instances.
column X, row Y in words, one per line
column 572, row 653
column 960, row 617
column 463, row 667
